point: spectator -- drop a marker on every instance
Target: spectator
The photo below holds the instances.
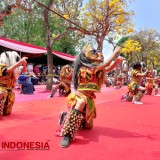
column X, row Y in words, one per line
column 36, row 69
column 27, row 85
column 29, row 67
column 34, row 78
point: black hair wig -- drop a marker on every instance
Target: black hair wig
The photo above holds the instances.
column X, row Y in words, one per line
column 137, row 65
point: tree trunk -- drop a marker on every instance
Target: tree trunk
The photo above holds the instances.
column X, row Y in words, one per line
column 115, row 76
column 115, row 72
column 49, row 47
column 50, row 70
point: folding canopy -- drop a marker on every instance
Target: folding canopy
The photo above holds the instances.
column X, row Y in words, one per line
column 8, row 44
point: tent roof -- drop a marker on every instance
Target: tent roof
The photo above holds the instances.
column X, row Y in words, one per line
column 9, row 44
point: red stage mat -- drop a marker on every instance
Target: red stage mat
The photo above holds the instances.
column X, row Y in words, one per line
column 122, row 130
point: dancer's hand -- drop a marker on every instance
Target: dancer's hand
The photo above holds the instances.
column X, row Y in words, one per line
column 118, row 49
column 120, row 59
column 147, row 73
column 23, row 60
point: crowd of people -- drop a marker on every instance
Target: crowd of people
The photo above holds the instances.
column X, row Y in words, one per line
column 35, row 75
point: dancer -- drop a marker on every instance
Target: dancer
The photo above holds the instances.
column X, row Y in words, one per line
column 136, row 91
column 106, row 81
column 9, row 63
column 151, row 84
column 64, row 85
column 120, row 79
column 88, row 77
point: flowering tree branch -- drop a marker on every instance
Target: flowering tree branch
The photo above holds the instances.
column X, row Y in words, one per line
column 21, row 4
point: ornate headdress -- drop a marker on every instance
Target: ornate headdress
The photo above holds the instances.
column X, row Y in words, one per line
column 10, row 58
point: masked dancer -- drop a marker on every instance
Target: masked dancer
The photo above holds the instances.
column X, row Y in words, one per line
column 64, row 85
column 88, row 77
column 9, row 63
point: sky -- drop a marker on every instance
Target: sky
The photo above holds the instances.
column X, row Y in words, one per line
column 147, row 15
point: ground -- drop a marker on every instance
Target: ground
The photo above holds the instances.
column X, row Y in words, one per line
column 122, row 130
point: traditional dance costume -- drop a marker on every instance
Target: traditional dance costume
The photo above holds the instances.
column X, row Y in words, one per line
column 119, row 82
column 9, row 63
column 64, row 85
column 150, row 85
column 7, row 81
column 89, row 82
column 135, row 84
column 88, row 77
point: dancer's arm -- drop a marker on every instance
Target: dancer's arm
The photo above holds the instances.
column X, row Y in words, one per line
column 145, row 74
column 115, row 64
column 22, row 61
column 111, row 58
column 156, row 78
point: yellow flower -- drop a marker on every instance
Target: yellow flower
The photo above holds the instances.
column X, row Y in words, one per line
column 116, row 1
column 66, row 16
column 99, row 17
column 53, row 35
column 121, row 10
column 117, row 21
column 131, row 46
column 83, row 9
column 123, row 50
column 102, row 4
column 88, row 14
column 130, row 30
column 121, row 19
column 111, row 4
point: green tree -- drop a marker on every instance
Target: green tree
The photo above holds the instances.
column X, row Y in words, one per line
column 62, row 30
column 34, row 26
column 150, row 43
column 7, row 7
column 99, row 19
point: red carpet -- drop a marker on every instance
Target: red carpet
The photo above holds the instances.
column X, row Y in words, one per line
column 122, row 131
